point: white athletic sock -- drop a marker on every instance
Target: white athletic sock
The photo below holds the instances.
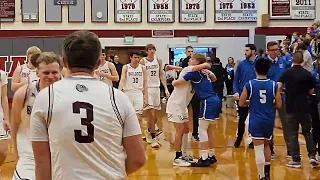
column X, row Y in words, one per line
column 184, row 143
column 260, row 159
column 211, row 152
column 204, row 154
column 156, row 127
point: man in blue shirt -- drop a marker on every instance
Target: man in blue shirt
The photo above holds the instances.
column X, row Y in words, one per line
column 210, row 108
column 277, row 67
column 243, row 74
column 262, row 93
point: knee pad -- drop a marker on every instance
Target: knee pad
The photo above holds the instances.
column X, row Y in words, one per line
column 259, row 153
column 203, row 127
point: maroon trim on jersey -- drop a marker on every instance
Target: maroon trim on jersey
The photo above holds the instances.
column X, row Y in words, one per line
column 281, row 31
column 122, row 33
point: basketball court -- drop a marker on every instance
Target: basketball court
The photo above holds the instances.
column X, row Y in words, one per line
column 233, row 164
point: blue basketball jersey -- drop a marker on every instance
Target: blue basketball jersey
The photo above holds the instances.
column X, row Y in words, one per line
column 201, row 84
column 261, row 93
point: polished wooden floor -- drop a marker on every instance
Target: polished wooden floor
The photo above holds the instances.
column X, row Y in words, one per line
column 233, row 164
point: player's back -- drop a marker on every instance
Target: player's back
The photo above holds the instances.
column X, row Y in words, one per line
column 181, row 96
column 202, row 85
column 261, row 94
column 85, row 130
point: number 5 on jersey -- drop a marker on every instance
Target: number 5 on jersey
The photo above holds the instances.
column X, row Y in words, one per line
column 263, row 97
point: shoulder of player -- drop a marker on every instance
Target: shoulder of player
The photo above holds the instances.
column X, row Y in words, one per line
column 142, row 61
column 20, row 94
column 111, row 65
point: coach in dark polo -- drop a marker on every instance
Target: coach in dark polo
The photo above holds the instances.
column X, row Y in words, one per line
column 299, row 85
column 195, row 102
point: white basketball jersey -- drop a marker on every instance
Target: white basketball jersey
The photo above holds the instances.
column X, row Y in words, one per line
column 181, row 96
column 24, row 146
column 86, row 125
column 134, row 79
column 27, row 72
column 105, row 68
column 4, row 81
column 152, row 72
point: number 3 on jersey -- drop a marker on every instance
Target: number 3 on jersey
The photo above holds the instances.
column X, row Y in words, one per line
column 76, row 106
column 135, row 80
column 153, row 73
column 263, row 97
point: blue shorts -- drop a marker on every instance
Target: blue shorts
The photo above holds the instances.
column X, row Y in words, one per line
column 260, row 130
column 210, row 108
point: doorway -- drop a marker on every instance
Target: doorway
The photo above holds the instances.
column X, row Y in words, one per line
column 178, row 53
column 123, row 52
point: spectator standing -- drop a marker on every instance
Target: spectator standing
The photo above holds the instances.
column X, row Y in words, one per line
column 299, row 85
column 277, row 67
column 230, row 75
column 315, row 107
column 221, row 76
column 307, row 59
column 118, row 66
column 243, row 74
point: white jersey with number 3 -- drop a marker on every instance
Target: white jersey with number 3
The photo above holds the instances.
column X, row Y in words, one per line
column 85, row 122
column 134, row 78
column 153, row 72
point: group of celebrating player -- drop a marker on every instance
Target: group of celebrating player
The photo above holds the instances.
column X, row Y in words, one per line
column 61, row 126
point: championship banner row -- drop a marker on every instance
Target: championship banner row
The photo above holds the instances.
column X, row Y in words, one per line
column 193, row 11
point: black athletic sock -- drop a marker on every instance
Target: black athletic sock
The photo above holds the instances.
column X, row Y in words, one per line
column 153, row 135
column 148, row 130
column 267, row 170
column 178, row 154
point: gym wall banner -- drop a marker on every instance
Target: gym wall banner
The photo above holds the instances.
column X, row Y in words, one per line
column 292, row 9
column 127, row 11
column 161, row 11
column 236, row 10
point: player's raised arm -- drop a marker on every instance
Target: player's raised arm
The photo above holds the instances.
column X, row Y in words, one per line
column 243, row 98
column 17, row 106
column 210, row 74
column 199, row 67
column 123, row 77
column 15, row 83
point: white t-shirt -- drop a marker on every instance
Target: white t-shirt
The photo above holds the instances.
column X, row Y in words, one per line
column 4, row 81
column 307, row 58
column 91, row 151
column 181, row 96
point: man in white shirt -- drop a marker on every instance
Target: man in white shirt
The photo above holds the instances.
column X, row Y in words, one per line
column 81, row 128
column 307, row 58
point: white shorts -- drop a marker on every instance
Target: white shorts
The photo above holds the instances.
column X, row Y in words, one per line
column 3, row 133
column 25, row 169
column 177, row 118
column 154, row 98
column 136, row 99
